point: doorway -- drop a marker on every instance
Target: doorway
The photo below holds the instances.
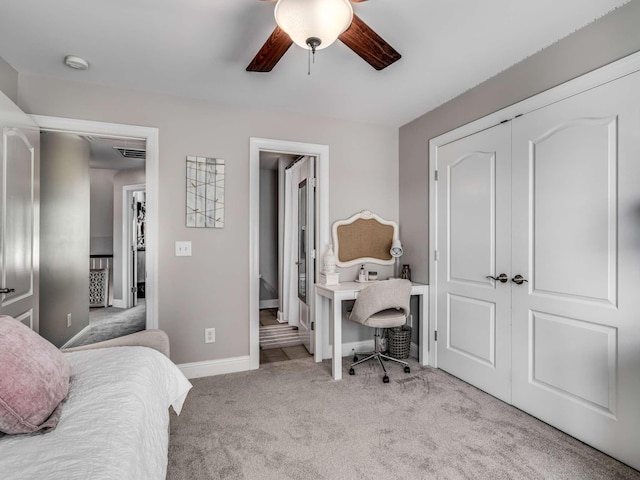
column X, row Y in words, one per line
column 149, row 137
column 134, row 244
column 287, row 255
column 300, row 261
column 92, row 279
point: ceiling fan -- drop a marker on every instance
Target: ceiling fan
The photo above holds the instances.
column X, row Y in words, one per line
column 358, row 36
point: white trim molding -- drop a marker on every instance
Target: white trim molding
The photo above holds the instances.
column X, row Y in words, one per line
column 348, row 349
column 215, row 367
column 269, row 303
column 602, row 75
column 367, row 346
column 321, row 152
column 151, row 136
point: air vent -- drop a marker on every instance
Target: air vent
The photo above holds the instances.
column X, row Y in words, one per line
column 140, row 153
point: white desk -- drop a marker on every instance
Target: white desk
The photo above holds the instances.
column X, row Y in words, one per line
column 336, row 294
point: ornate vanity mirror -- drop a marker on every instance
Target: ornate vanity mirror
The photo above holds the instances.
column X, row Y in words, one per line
column 364, row 238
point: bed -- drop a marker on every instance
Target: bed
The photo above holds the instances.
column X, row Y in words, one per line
column 114, row 421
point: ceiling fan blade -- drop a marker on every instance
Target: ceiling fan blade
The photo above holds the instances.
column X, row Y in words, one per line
column 360, row 38
column 271, row 52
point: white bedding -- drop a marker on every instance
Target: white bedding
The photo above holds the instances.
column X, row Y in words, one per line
column 114, row 422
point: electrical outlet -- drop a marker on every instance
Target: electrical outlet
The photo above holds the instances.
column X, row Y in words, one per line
column 68, row 320
column 209, row 335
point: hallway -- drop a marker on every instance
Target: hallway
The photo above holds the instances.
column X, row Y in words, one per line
column 278, row 341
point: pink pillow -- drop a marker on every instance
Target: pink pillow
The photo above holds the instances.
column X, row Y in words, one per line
column 33, row 382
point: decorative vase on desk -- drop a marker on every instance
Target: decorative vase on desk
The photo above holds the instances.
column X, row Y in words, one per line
column 329, row 261
column 329, row 276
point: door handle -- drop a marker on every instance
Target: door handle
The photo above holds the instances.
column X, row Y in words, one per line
column 519, row 279
column 7, row 290
column 502, row 278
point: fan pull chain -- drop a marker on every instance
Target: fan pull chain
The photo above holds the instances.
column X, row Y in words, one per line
column 313, row 43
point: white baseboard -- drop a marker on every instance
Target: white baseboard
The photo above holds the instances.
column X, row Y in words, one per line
column 210, row 368
column 365, row 346
column 275, row 303
column 118, row 303
column 77, row 337
column 361, row 346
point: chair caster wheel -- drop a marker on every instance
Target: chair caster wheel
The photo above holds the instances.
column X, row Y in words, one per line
column 407, row 370
column 355, row 358
column 385, row 379
column 352, row 371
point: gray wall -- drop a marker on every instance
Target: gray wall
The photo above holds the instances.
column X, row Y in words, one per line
column 211, row 288
column 612, row 37
column 269, row 234
column 8, row 80
column 101, row 223
column 64, row 236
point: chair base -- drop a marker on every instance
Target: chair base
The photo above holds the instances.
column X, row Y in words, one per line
column 378, row 355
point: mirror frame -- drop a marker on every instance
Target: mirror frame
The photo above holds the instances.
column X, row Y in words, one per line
column 363, row 215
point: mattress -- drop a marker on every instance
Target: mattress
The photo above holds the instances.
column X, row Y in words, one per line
column 114, row 422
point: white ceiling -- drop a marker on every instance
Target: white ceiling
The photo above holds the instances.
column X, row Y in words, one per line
column 200, row 49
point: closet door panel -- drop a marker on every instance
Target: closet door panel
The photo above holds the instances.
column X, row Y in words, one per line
column 573, row 196
column 575, row 328
column 474, row 242
column 19, row 214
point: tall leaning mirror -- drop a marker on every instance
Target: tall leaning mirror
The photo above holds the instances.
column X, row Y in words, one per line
column 205, row 192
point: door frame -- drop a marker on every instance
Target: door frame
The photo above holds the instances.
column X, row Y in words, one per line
column 322, row 234
column 607, row 73
column 151, row 136
column 127, row 235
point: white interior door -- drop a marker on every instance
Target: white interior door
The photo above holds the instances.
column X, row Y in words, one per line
column 19, row 214
column 576, row 239
column 473, row 310
column 306, row 253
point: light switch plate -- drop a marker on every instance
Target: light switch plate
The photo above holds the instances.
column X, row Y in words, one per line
column 183, row 249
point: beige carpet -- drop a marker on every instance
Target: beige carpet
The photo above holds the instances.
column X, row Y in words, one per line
column 289, row 420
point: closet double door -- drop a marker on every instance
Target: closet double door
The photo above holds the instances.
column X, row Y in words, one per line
column 538, row 277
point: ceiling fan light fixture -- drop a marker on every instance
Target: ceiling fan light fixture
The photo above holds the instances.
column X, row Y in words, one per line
column 323, row 20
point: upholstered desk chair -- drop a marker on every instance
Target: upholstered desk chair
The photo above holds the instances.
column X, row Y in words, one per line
column 381, row 305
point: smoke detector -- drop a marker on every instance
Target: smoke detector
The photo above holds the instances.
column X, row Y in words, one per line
column 76, row 63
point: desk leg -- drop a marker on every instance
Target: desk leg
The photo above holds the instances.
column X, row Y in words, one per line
column 423, row 355
column 321, row 307
column 336, row 357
